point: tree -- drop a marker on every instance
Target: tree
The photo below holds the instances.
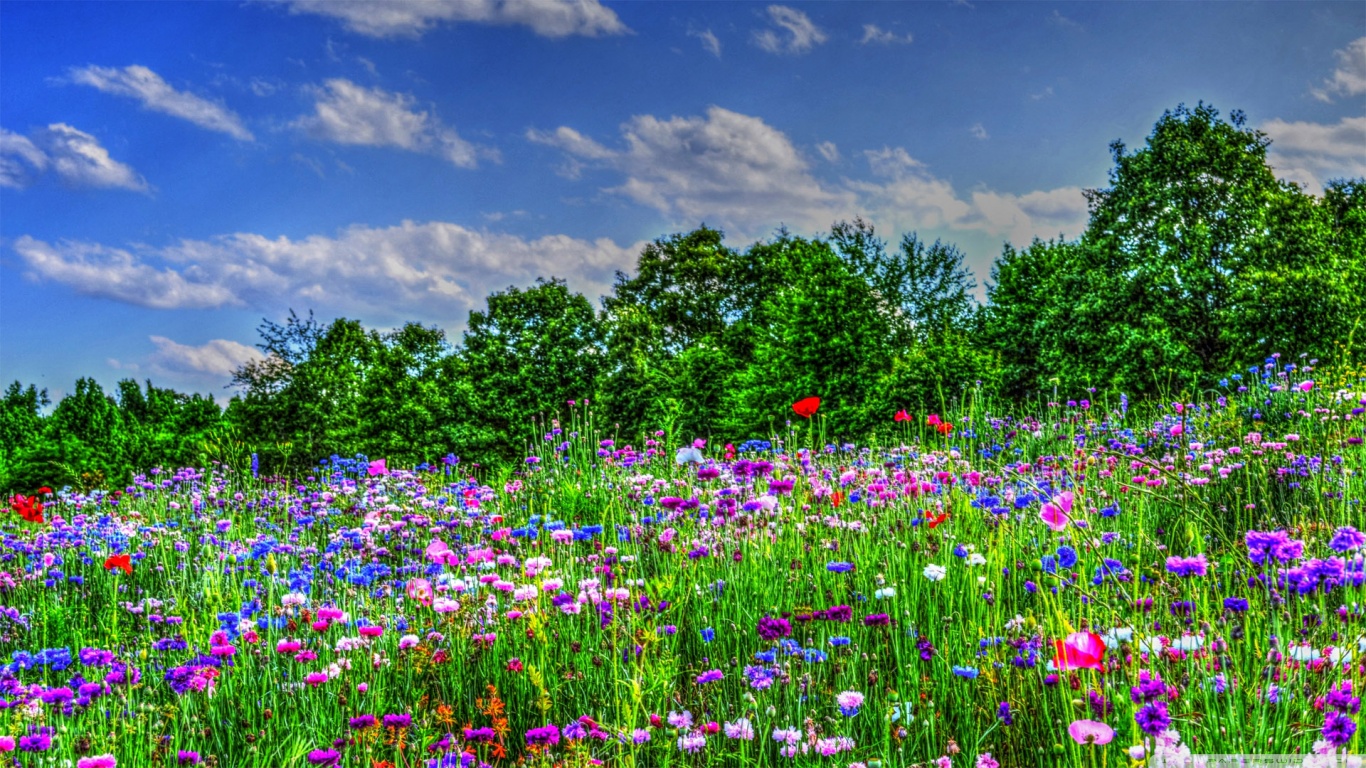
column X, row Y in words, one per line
column 527, row 354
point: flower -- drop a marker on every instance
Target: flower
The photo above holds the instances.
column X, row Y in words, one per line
column 98, row 761
column 710, row 676
column 849, row 702
column 740, row 729
column 773, row 629
column 1153, row 717
column 546, row 735
column 935, row 572
column 122, row 562
column 1090, row 732
column 1054, row 513
column 421, row 591
column 326, row 757
column 1188, row 566
column 901, row 415
column 1346, row 539
column 28, row 507
column 377, row 468
column 806, row 407
column 1338, row 728
column 1080, row 650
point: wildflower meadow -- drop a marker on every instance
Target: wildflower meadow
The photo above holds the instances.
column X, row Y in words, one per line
column 1094, row 583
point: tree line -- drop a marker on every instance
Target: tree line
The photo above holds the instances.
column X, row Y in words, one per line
column 1196, row 262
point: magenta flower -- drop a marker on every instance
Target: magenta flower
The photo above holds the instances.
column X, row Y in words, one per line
column 1090, row 732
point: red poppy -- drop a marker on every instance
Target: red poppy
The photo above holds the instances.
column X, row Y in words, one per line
column 28, row 507
column 836, row 499
column 901, row 415
column 45, row 490
column 936, row 520
column 122, row 562
column 806, row 407
column 944, row 428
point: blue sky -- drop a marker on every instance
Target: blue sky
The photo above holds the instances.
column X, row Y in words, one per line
column 173, row 172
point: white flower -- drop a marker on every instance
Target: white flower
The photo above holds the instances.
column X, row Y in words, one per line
column 976, row 559
column 935, row 572
column 885, row 593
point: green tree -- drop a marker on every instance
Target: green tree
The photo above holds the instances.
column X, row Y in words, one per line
column 527, row 354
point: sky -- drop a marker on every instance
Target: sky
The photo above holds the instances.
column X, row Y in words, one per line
column 173, row 173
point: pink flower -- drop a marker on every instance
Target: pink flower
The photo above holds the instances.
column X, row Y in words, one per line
column 1090, row 732
column 316, row 679
column 1305, row 386
column 1176, row 430
column 1055, row 513
column 371, row 630
column 377, row 468
column 98, row 761
column 421, row 591
column 1081, row 650
column 985, row 760
column 439, row 553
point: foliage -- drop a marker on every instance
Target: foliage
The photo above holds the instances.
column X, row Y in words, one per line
column 1196, row 261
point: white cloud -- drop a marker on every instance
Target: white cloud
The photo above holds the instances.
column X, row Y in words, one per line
column 872, row 33
column 347, row 113
column 432, row 272
column 216, row 357
column 146, row 86
column 76, row 157
column 742, row 174
column 709, row 41
column 729, row 168
column 978, row 131
column 1349, row 79
column 1313, row 153
column 411, row 18
column 20, row 160
column 794, row 33
column 1046, row 93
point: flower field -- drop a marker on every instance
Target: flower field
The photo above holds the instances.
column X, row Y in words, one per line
column 1095, row 583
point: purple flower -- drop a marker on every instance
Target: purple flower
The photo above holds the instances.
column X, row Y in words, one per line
column 710, row 676
column 544, row 736
column 1153, row 718
column 362, row 722
column 479, row 734
column 327, row 757
column 1003, row 713
column 1346, row 539
column 1235, row 604
column 1338, row 728
column 398, row 721
column 839, row 567
column 185, row 757
column 771, row 629
column 877, row 620
column 1188, row 566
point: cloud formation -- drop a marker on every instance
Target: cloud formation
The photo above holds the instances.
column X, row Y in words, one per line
column 710, row 43
column 412, row 18
column 791, row 32
column 141, row 83
column 740, row 173
column 1314, row 153
column 75, row 157
column 725, row 167
column 873, row 34
column 432, row 272
column 347, row 113
column 217, row 358
column 1349, row 79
